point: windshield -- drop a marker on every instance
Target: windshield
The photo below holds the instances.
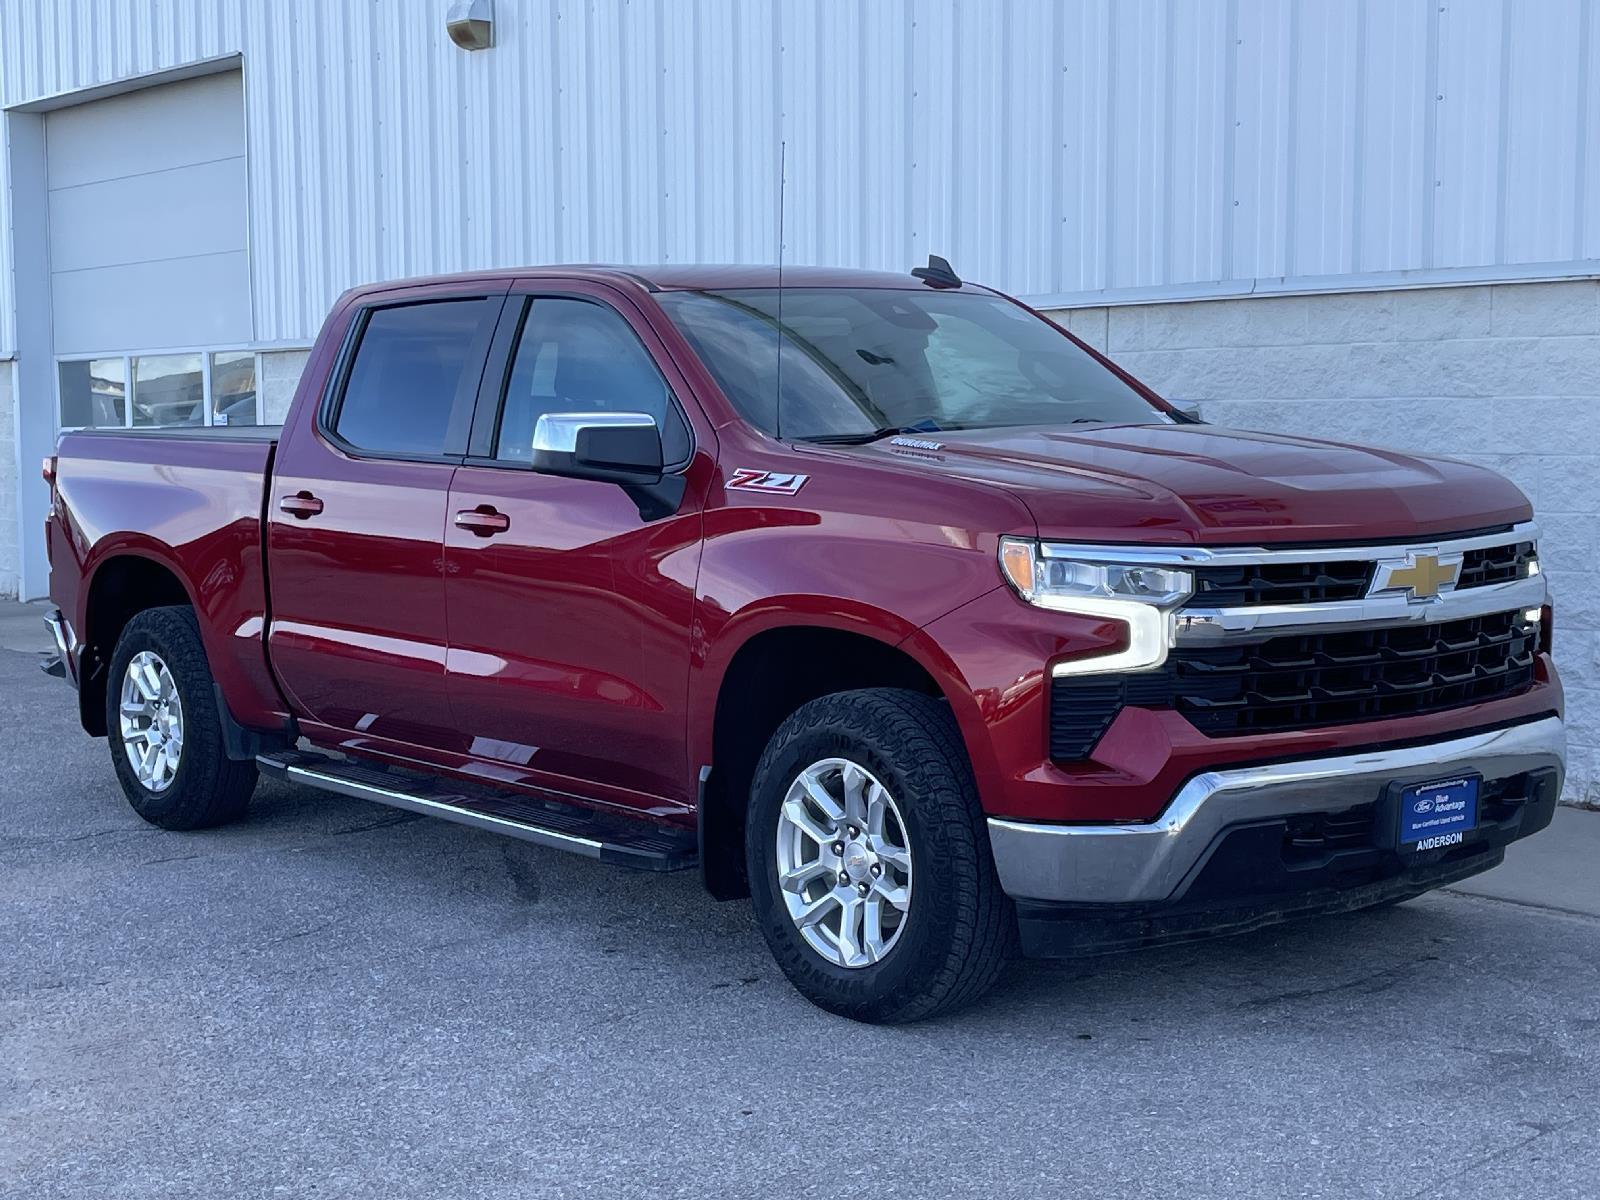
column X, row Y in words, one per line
column 861, row 362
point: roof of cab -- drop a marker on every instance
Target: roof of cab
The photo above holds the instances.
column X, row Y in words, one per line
column 674, row 277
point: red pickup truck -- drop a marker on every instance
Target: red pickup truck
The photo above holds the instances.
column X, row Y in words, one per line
column 878, row 598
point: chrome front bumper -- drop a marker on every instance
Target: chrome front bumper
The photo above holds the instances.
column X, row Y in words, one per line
column 1154, row 862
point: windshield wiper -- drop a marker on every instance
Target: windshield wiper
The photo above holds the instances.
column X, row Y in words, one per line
column 861, row 439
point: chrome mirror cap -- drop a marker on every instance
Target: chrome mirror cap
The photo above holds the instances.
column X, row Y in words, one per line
column 557, row 433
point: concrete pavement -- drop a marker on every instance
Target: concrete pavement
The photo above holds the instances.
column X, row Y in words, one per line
column 22, row 627
column 1558, row 870
column 337, row 999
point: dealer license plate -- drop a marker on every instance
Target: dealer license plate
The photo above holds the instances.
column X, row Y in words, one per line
column 1439, row 813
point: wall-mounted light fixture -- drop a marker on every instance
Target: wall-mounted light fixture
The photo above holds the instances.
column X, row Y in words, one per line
column 470, row 24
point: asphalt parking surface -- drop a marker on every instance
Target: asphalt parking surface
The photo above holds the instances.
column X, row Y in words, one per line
column 336, row 999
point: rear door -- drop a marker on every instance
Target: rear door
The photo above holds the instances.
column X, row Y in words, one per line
column 570, row 612
column 357, row 516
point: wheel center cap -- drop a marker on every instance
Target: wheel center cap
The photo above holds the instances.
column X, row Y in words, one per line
column 857, row 861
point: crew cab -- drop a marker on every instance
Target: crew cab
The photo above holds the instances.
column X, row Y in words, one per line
column 880, row 599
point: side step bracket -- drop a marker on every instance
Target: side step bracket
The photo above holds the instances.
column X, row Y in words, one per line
column 621, row 841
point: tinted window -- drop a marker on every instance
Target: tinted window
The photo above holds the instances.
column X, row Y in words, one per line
column 576, row 356
column 855, row 360
column 415, row 366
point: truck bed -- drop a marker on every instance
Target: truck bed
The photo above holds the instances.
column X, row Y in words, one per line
column 188, row 501
column 209, row 433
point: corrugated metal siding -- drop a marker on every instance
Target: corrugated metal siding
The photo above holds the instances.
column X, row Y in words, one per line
column 1058, row 150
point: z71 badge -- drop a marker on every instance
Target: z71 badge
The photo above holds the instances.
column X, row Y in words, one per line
column 748, row 479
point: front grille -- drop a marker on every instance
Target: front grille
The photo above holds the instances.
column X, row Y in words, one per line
column 1496, row 564
column 1306, row 680
column 1280, row 583
column 1245, row 585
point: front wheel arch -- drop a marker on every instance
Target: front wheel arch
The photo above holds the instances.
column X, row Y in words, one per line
column 773, row 673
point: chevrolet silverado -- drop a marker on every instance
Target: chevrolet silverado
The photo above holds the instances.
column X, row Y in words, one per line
column 879, row 599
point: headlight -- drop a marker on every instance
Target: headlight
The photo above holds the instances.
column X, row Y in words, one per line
column 1057, row 582
column 1140, row 595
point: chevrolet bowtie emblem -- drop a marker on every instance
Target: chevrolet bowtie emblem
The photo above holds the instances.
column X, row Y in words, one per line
column 1423, row 575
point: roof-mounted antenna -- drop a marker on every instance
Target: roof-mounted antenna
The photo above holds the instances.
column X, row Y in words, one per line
column 938, row 273
column 777, row 404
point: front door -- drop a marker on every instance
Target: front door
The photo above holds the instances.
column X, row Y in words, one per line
column 570, row 612
column 357, row 517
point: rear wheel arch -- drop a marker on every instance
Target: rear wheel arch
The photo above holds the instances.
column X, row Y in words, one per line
column 120, row 588
column 771, row 674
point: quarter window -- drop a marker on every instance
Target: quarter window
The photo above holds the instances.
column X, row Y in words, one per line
column 416, row 367
column 579, row 356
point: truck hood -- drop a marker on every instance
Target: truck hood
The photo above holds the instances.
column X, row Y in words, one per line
column 1207, row 485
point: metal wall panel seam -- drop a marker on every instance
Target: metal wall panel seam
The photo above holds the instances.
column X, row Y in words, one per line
column 1580, row 181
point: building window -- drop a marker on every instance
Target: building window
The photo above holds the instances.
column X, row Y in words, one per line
column 169, row 389
column 94, row 393
column 153, row 390
column 233, row 388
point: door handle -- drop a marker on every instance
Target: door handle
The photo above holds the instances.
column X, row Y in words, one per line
column 484, row 521
column 302, row 505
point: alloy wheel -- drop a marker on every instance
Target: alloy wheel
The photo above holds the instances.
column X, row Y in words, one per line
column 151, row 721
column 844, row 862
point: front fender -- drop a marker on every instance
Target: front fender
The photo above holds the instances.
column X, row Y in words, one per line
column 992, row 658
column 876, row 547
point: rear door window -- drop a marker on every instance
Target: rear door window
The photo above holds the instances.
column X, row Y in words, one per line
column 415, row 374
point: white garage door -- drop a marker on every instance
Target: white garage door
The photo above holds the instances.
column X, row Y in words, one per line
column 149, row 268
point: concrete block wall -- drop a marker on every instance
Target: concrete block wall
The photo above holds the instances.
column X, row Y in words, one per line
column 10, row 565
column 277, row 375
column 1506, row 375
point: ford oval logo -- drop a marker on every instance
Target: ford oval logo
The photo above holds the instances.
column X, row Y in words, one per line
column 1424, row 805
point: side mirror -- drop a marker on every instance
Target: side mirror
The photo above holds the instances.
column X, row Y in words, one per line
column 614, row 447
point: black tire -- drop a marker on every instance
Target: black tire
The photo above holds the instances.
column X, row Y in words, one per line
column 960, row 928
column 207, row 788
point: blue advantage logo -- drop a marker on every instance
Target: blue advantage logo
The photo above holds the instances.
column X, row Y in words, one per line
column 1439, row 813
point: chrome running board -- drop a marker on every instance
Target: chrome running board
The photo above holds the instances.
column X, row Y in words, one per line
column 621, row 841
